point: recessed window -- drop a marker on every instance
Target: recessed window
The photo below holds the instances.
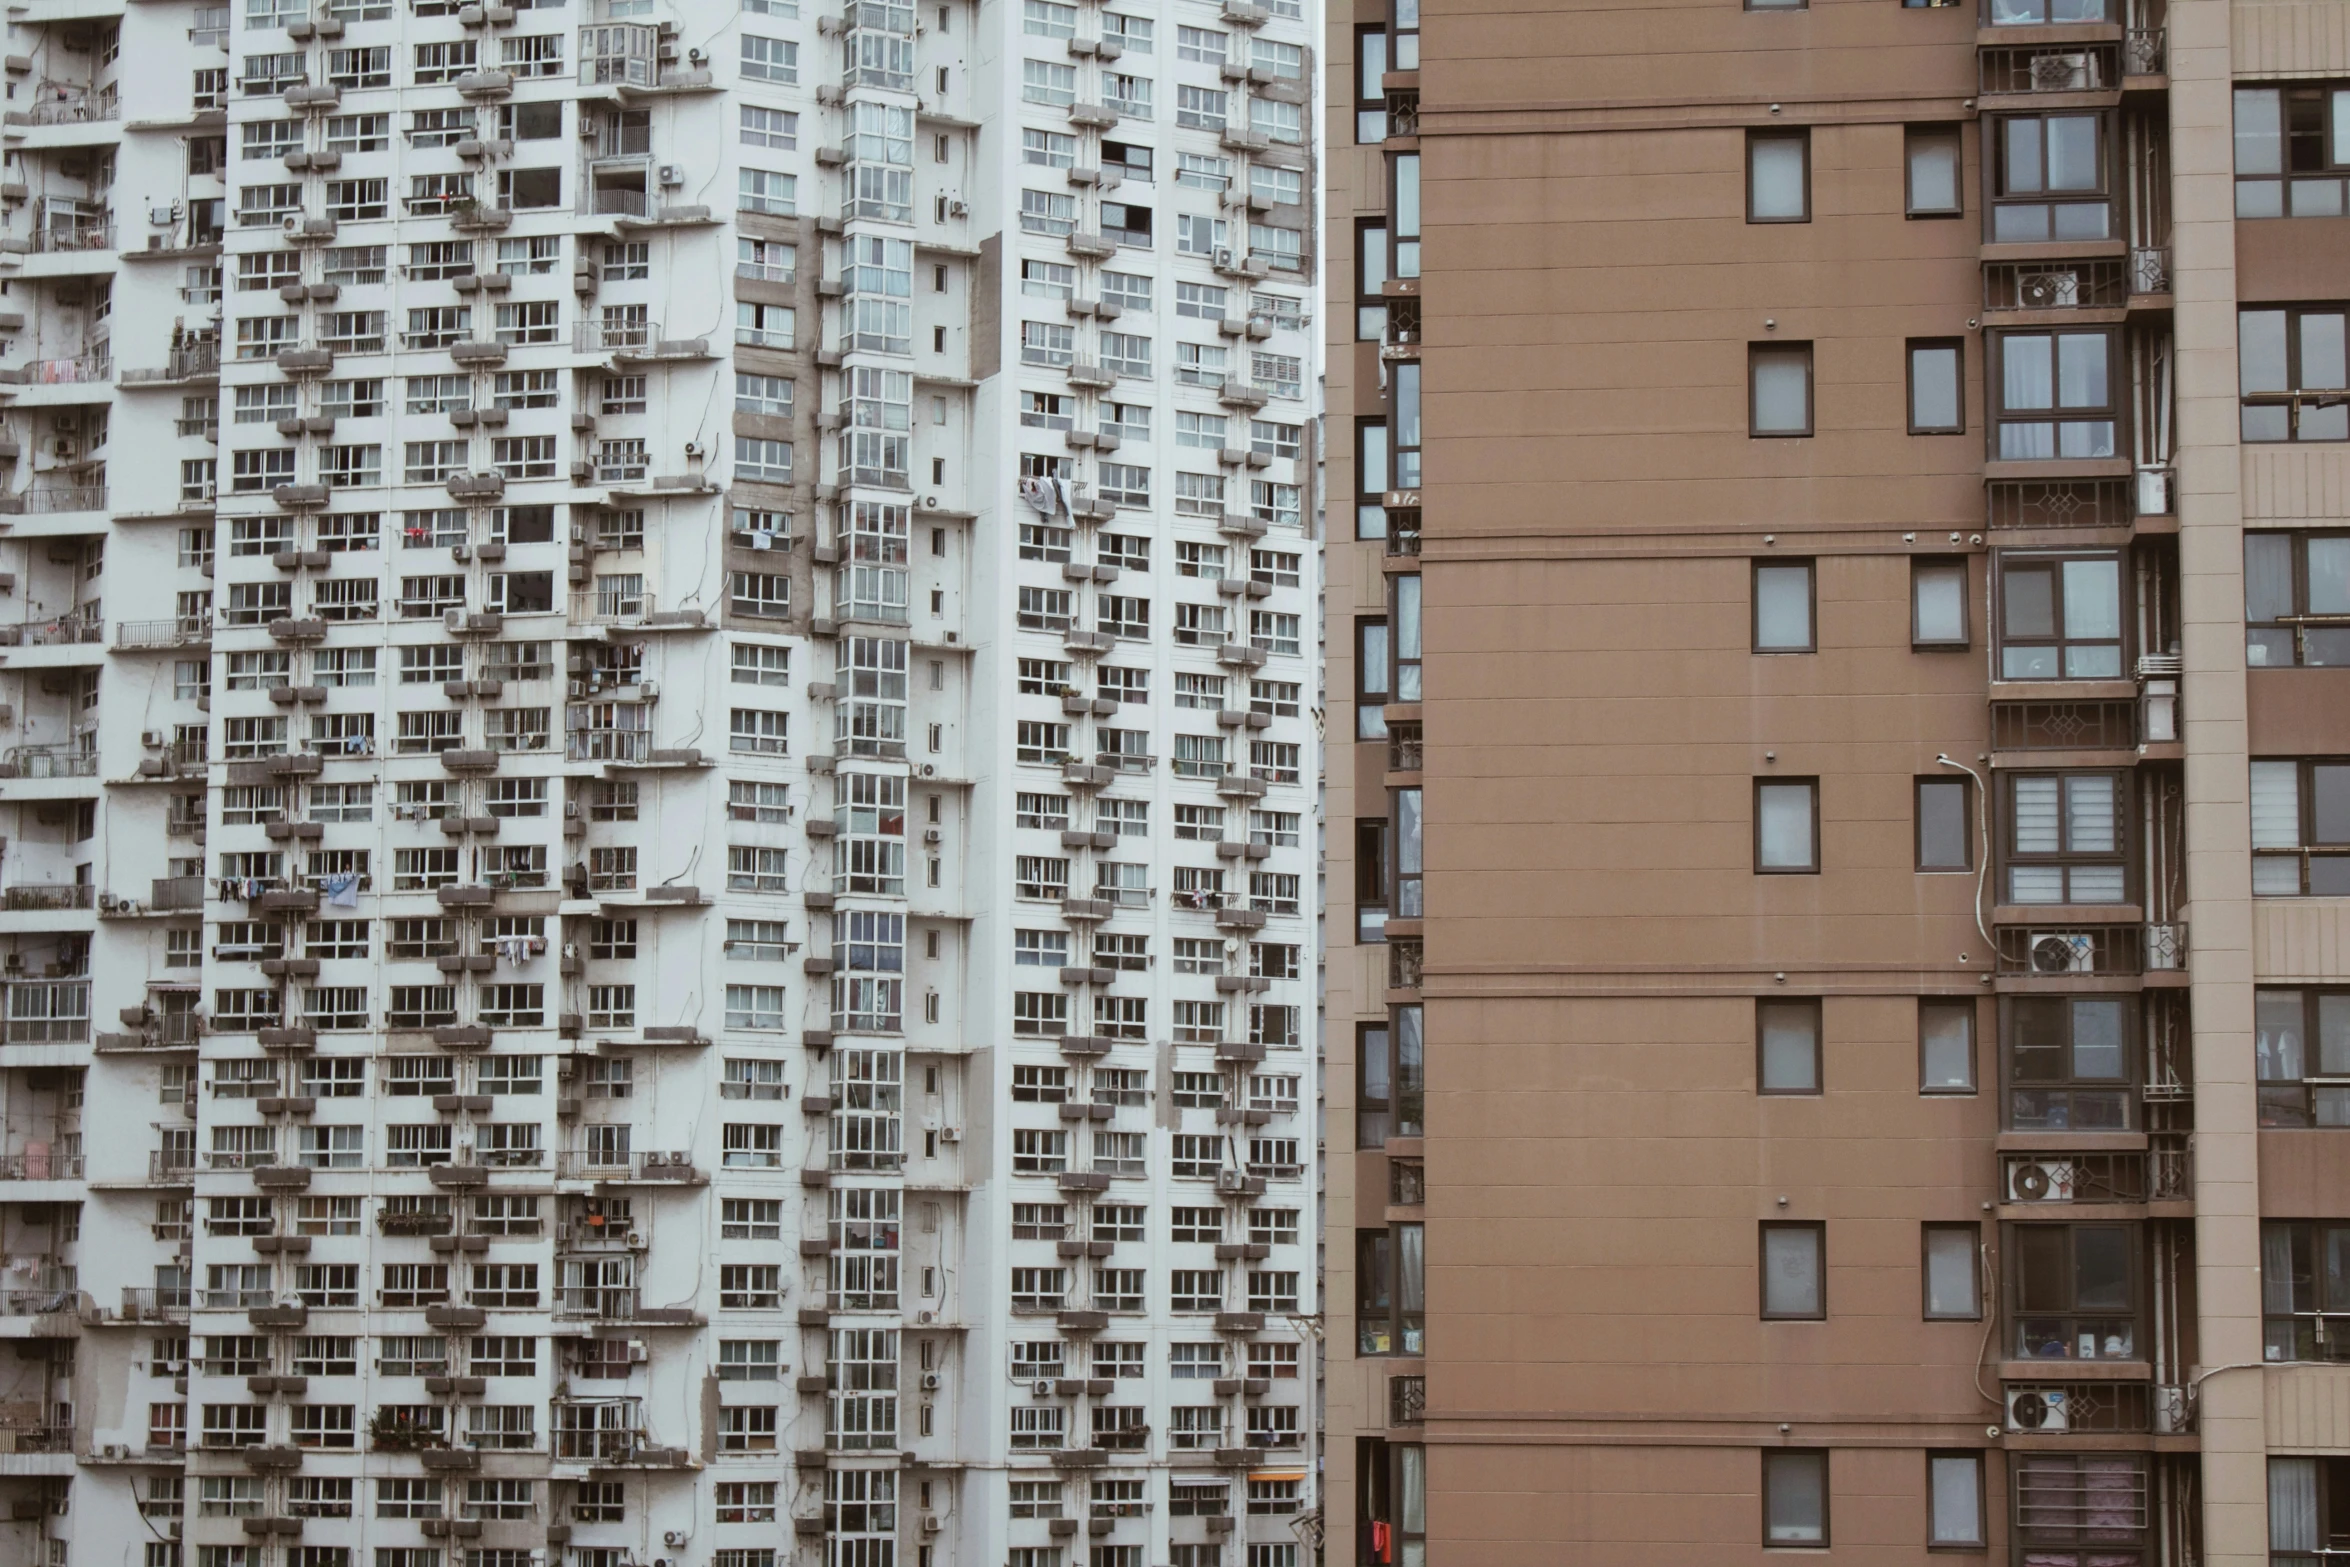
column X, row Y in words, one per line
column 1783, row 607
column 1933, row 157
column 1795, row 1498
column 1937, row 603
column 2073, row 1292
column 1371, row 677
column 2292, row 150
column 2052, row 178
column 1946, row 1047
column 1954, row 1483
column 1778, row 176
column 1936, row 383
column 1787, row 1047
column 1777, row 5
column 1787, row 826
column 2305, row 1293
column 2301, row 1054
column 2064, row 838
column 1779, row 403
column 1794, row 1271
column 1945, row 835
column 1953, row 1288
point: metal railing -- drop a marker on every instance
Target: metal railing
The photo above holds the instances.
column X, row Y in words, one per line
column 589, row 337
column 179, row 631
column 157, row 1303
column 41, row 1166
column 44, row 499
column 605, row 1304
column 65, row 631
column 605, row 606
column 199, row 359
column 608, row 745
column 75, row 236
column 49, row 761
column 42, row 896
column 68, row 111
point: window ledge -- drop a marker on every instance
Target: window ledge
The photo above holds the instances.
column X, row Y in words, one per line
column 2048, row 916
column 2117, row 690
column 2070, row 1142
column 2054, row 1370
column 2061, row 468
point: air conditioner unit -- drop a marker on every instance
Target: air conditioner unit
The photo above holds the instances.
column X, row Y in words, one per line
column 2075, row 72
column 958, row 209
column 672, row 175
column 950, row 1134
column 67, row 424
column 2040, row 1180
column 656, row 1161
column 638, row 1354
column 932, row 835
column 2070, row 952
column 293, row 224
column 930, row 1523
column 932, row 1381
column 2037, row 1409
column 163, row 217
column 1040, row 1388
column 2171, row 1412
column 452, row 620
column 2049, row 290
column 930, row 769
column 673, row 1538
column 1225, row 255
column 152, row 739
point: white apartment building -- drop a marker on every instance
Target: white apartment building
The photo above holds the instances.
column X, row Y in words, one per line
column 658, row 692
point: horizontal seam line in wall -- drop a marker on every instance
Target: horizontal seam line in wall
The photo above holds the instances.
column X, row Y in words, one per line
column 1601, row 115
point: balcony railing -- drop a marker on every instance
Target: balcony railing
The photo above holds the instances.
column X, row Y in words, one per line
column 46, row 499
column 46, row 896
column 40, row 1165
column 611, row 606
column 68, row 111
column 179, row 631
column 171, row 1166
column 65, row 631
column 48, row 761
column 608, row 745
column 592, row 337
column 50, row 1290
column 608, row 1305
column 64, row 372
column 182, row 364
column 156, row 1303
column 75, row 236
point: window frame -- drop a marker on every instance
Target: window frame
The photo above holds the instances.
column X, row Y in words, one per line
column 2290, row 396
column 1966, row 799
column 2015, row 1317
column 1955, row 1006
column 1757, row 354
column 1973, row 1230
column 1810, row 869
column 1999, row 417
column 1912, row 135
column 1812, row 1010
column 1811, row 609
column 1773, row 1457
column 1973, row 1459
column 2058, row 638
column 2308, row 850
column 1919, row 567
column 1910, row 351
column 1761, row 136
column 2124, row 1088
column 1997, row 199
column 2066, row 859
column 1763, row 1229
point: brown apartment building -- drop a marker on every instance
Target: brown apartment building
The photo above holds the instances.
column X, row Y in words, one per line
column 1846, row 639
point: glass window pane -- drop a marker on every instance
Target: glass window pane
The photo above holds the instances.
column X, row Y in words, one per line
column 1933, row 173
column 1782, row 394
column 2268, row 575
column 2277, row 1046
column 2329, row 803
column 2072, row 152
column 1791, row 1271
column 1933, row 388
column 1938, row 603
column 1786, row 830
column 2260, row 351
column 1958, row 1500
column 2333, row 1035
column 1946, row 1049
column 2029, row 595
column 2329, row 576
column 2092, row 600
column 2321, row 353
column 1407, row 196
column 2028, row 372
column 2080, row 361
column 2023, row 155
column 1796, row 1508
column 1790, row 1049
column 2101, row 1268
column 2097, row 1041
column 1782, row 608
column 1775, row 177
column 2089, row 824
column 1944, row 833
column 2276, row 805
column 1373, row 464
column 2260, row 131
column 1407, row 405
column 1950, row 1273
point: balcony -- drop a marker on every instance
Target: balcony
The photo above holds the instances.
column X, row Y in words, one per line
column 82, row 369
column 40, row 1164
column 48, row 897
column 196, row 362
column 50, row 499
column 170, row 1303
column 675, row 1168
column 180, row 631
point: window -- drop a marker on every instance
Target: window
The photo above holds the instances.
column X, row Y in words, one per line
column 1787, row 1047
column 1937, row 385
column 1786, row 826
column 2300, row 131
column 2068, row 1062
column 1794, row 1271
column 2292, row 373
column 2050, row 178
column 1938, row 604
column 2301, row 828
column 1783, row 594
column 2055, row 396
column 1946, row 1047
column 1780, row 399
column 2072, row 1291
column 1933, row 171
column 2064, row 838
column 1778, row 176
column 2292, row 583
column 2060, row 617
column 1795, row 1482
column 1953, row 1291
column 1945, row 837
column 770, row 60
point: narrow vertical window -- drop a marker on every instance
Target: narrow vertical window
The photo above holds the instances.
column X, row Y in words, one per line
column 1786, row 826
column 1945, row 832
column 1933, row 178
column 1937, row 604
column 1937, row 384
column 1778, row 176
column 1787, row 1047
column 1953, row 1289
column 1794, row 1286
column 1954, row 1482
column 1946, row 1047
column 1795, row 1498
column 1783, row 607
column 1779, row 402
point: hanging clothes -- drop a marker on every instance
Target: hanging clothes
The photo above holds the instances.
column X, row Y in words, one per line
column 342, row 890
column 1041, row 495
